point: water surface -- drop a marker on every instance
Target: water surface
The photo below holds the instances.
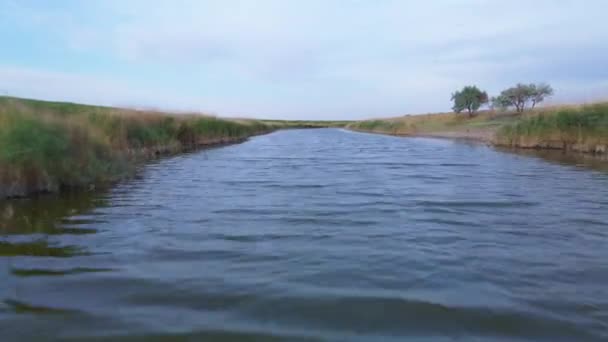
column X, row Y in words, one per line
column 316, row 235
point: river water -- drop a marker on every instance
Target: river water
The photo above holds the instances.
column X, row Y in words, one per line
column 314, row 235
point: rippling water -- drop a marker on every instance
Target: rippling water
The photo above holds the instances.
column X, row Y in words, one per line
column 316, row 235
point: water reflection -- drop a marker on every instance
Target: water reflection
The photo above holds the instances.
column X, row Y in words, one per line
column 35, row 237
column 39, row 248
column 20, row 307
column 48, row 214
column 20, row 272
column 585, row 160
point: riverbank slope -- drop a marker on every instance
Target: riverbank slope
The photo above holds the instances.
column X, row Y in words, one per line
column 53, row 146
column 580, row 128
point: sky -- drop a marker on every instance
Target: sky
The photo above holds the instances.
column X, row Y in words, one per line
column 299, row 59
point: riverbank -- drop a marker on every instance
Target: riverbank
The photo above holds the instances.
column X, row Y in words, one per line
column 55, row 146
column 569, row 128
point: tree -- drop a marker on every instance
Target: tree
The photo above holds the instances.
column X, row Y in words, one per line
column 521, row 95
column 469, row 98
column 539, row 92
column 501, row 102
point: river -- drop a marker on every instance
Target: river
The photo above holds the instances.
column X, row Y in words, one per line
column 322, row 235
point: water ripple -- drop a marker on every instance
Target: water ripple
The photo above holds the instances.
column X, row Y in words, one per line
column 322, row 235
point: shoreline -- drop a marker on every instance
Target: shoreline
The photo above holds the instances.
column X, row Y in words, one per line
column 139, row 157
column 54, row 147
column 579, row 129
column 488, row 138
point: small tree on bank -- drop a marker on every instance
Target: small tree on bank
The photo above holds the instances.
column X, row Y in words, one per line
column 539, row 92
column 522, row 95
column 470, row 98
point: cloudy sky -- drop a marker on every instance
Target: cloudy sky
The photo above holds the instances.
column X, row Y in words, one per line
column 317, row 59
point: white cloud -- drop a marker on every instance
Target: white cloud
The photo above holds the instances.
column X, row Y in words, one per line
column 342, row 57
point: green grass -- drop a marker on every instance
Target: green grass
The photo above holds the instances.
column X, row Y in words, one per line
column 67, row 152
column 49, row 146
column 582, row 128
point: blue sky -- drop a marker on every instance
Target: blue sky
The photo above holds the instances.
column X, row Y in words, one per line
column 313, row 59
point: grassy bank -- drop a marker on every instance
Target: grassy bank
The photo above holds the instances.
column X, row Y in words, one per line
column 49, row 146
column 581, row 129
column 576, row 128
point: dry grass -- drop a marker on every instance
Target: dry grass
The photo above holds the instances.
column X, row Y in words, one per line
column 432, row 123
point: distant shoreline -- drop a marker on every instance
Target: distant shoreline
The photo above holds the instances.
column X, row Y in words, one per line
column 581, row 129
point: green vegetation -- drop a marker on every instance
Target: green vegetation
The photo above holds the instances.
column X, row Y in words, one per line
column 521, row 96
column 469, row 98
column 583, row 129
column 49, row 146
column 575, row 128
